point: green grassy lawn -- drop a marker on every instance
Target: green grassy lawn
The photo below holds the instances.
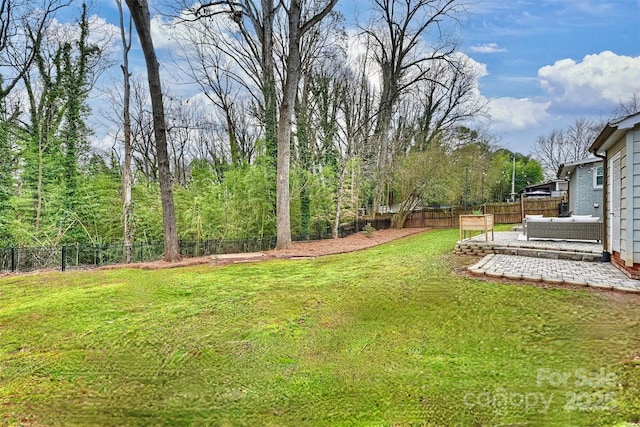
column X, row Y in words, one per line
column 389, row 336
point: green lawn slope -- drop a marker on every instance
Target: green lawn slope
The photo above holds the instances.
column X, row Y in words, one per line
column 390, row 336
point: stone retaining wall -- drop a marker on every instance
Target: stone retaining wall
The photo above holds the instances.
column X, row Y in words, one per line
column 481, row 248
column 475, row 248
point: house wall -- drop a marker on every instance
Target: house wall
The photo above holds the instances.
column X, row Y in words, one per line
column 633, row 192
column 582, row 193
column 628, row 260
column 617, row 148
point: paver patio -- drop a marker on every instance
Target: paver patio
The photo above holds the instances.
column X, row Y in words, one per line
column 549, row 269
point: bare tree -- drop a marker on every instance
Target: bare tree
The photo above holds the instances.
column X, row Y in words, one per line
column 127, row 179
column 260, row 42
column 23, row 26
column 355, row 111
column 579, row 137
column 143, row 144
column 566, row 145
column 403, row 61
column 550, row 149
column 628, row 107
column 333, row 118
column 143, row 149
column 247, row 39
column 139, row 10
column 297, row 28
column 186, row 121
column 210, row 69
column 317, row 106
column 443, row 102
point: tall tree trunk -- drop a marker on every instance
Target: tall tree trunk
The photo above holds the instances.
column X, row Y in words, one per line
column 140, row 13
column 127, row 209
column 406, row 207
column 283, row 216
column 296, row 31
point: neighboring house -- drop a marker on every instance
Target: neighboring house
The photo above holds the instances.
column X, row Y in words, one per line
column 619, row 145
column 553, row 188
column 586, row 180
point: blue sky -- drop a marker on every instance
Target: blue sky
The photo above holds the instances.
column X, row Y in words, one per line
column 544, row 63
column 516, row 38
column 549, row 62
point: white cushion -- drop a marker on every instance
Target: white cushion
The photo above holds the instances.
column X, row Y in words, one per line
column 581, row 216
column 592, row 219
column 557, row 219
column 540, row 219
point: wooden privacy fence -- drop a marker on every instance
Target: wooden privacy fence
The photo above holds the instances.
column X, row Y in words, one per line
column 503, row 213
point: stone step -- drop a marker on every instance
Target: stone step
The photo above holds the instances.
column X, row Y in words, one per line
column 550, row 254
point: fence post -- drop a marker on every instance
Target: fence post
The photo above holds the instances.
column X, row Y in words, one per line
column 64, row 258
column 13, row 260
column 97, row 255
column 141, row 253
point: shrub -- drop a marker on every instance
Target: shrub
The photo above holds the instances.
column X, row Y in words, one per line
column 368, row 230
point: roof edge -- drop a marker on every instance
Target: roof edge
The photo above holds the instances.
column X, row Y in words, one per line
column 570, row 166
column 611, row 128
column 605, row 134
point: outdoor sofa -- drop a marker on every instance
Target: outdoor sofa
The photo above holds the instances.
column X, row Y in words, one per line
column 576, row 227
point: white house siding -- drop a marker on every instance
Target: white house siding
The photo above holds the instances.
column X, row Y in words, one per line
column 623, row 203
column 633, row 139
column 621, row 140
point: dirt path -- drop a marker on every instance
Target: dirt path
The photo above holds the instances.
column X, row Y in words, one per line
column 310, row 249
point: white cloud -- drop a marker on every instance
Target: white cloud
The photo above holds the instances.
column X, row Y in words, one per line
column 101, row 32
column 604, row 78
column 478, row 68
column 513, row 113
column 487, row 48
column 163, row 33
column 104, row 33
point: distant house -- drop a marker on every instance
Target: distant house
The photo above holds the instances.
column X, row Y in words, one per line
column 552, row 188
column 619, row 145
column 586, row 180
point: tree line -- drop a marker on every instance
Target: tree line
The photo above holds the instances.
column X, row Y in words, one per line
column 301, row 122
column 560, row 146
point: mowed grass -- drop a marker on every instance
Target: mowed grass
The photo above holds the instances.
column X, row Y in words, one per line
column 390, row 336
